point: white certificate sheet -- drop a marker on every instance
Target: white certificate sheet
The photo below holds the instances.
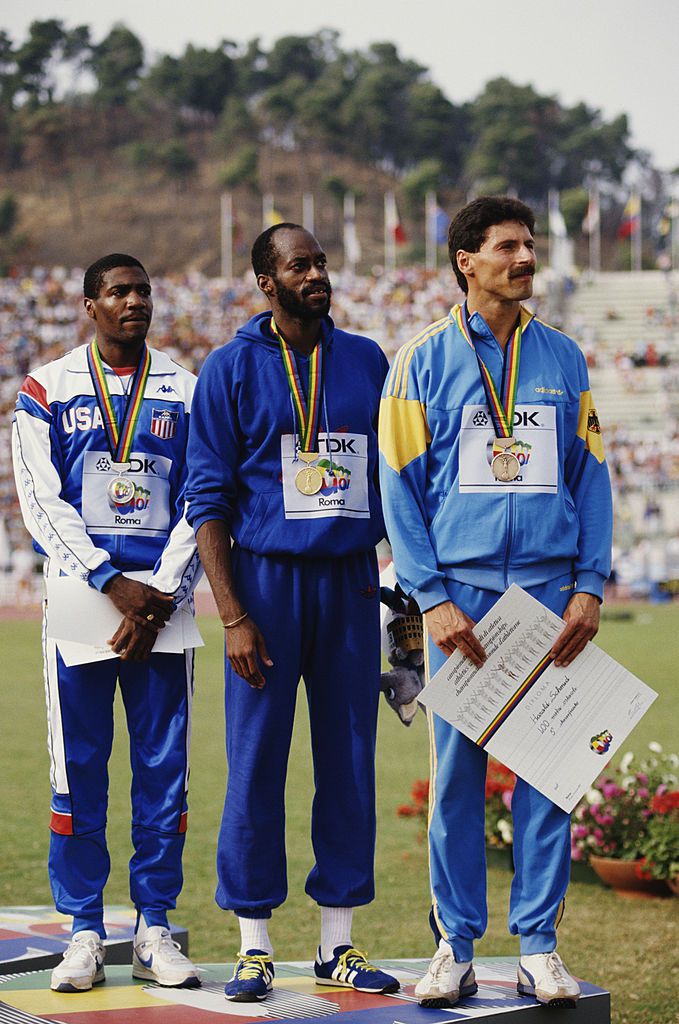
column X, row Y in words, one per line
column 82, row 620
column 554, row 727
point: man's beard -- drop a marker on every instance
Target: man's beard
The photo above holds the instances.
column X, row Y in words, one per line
column 297, row 308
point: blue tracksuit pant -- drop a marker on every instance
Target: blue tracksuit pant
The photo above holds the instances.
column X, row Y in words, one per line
column 157, row 695
column 320, row 621
column 456, row 829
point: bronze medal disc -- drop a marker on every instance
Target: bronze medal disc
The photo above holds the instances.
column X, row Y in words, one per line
column 506, row 467
column 121, row 490
column 309, row 480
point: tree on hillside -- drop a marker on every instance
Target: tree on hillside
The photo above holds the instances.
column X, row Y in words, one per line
column 117, row 62
column 36, row 60
column 529, row 143
column 200, row 80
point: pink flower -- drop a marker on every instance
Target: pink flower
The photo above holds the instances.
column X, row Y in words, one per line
column 507, row 799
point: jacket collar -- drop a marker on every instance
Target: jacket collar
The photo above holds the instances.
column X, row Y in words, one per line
column 161, row 364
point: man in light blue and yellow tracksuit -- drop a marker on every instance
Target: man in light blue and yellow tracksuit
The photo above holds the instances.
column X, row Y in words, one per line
column 493, row 473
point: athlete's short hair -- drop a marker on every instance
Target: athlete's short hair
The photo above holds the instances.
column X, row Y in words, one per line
column 468, row 227
column 94, row 275
column 264, row 249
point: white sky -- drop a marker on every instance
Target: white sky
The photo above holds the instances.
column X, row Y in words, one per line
column 617, row 55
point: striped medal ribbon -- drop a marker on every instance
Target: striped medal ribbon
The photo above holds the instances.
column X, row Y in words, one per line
column 505, row 462
column 121, row 489
column 307, row 410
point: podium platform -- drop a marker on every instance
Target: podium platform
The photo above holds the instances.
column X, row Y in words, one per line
column 34, row 938
column 25, row 998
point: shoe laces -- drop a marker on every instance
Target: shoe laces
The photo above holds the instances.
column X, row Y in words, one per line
column 165, row 944
column 355, row 960
column 251, row 966
column 441, row 962
column 556, row 967
column 81, row 952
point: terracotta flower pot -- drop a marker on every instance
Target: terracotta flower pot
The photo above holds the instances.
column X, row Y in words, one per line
column 622, row 876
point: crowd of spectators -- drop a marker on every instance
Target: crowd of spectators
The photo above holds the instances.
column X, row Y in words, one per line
column 41, row 318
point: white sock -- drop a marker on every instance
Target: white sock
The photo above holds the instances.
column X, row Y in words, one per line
column 254, row 934
column 335, row 930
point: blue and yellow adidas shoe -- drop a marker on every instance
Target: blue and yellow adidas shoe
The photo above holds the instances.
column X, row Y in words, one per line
column 252, row 979
column 350, row 968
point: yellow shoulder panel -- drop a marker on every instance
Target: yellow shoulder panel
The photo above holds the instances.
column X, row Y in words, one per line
column 403, row 431
column 398, row 376
column 589, row 428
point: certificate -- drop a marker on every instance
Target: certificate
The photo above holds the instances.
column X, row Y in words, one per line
column 556, row 728
column 82, row 620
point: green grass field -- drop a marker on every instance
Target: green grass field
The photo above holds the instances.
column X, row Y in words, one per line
column 626, row 946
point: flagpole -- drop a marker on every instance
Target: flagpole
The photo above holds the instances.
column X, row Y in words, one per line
column 595, row 230
column 635, row 241
column 550, row 232
column 226, row 208
column 308, row 212
column 349, row 235
column 431, row 246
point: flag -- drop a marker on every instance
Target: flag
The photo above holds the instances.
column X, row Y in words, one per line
column 270, row 214
column 392, row 220
column 352, row 246
column 631, row 216
column 441, row 222
column 557, row 225
column 592, row 218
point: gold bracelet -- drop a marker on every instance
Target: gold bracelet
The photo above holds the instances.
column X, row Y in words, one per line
column 230, row 625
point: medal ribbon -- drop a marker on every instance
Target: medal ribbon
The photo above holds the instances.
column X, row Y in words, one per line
column 501, row 407
column 119, row 437
column 308, row 410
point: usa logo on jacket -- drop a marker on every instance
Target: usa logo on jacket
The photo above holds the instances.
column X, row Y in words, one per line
column 164, row 423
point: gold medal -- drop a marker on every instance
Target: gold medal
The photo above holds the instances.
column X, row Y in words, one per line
column 505, row 466
column 309, row 480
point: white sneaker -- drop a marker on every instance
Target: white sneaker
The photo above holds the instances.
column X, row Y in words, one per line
column 82, row 965
column 445, row 981
column 544, row 976
column 156, row 957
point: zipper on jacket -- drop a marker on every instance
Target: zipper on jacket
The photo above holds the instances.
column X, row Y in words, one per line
column 510, row 529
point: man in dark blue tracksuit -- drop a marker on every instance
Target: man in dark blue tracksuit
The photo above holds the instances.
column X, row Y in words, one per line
column 282, row 458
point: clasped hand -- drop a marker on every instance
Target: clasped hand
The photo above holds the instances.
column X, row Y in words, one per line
column 145, row 611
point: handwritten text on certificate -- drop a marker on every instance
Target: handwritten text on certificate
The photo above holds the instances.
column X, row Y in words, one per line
column 555, row 727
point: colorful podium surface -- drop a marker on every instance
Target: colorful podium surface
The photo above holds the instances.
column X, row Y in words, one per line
column 27, row 999
column 32, row 940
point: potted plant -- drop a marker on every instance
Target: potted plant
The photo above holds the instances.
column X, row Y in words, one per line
column 660, row 845
column 613, row 823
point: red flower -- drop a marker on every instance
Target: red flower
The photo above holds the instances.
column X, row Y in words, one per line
column 642, row 868
column 665, row 803
column 420, row 790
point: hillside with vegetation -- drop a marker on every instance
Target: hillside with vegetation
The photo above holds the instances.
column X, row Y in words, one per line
column 103, row 147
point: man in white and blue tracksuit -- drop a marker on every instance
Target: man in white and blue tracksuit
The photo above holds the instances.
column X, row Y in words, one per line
column 474, row 503
column 97, row 511
column 283, row 459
